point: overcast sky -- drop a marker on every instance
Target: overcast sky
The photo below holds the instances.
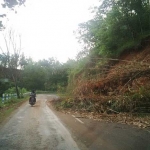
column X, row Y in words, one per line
column 47, row 27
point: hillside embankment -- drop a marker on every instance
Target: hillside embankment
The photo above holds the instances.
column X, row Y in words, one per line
column 120, row 93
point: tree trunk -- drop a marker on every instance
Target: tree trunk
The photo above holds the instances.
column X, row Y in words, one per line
column 17, row 91
column 16, row 86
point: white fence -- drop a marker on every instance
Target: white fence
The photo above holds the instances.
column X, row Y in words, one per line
column 6, row 97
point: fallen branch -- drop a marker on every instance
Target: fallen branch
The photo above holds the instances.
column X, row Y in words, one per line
column 130, row 80
column 113, row 111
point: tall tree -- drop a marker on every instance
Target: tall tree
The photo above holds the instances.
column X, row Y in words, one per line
column 117, row 25
column 12, row 58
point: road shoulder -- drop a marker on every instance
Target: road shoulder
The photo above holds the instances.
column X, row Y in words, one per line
column 91, row 134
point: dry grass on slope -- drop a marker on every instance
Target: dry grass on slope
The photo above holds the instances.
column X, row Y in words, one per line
column 125, row 87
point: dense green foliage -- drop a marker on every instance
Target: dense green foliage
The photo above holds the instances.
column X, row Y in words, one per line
column 47, row 75
column 4, row 86
column 44, row 75
column 118, row 25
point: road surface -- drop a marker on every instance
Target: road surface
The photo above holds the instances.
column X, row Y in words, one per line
column 42, row 128
column 35, row 128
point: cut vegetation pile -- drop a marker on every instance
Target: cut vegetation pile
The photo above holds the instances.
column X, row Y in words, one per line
column 125, row 87
column 120, row 94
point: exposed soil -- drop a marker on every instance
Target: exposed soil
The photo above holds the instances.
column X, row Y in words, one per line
column 121, row 94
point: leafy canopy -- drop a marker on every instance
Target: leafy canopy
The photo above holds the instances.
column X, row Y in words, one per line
column 117, row 25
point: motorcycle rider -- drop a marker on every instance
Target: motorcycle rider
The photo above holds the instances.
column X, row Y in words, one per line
column 32, row 94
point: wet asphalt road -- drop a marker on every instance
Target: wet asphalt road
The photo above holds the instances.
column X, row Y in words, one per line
column 35, row 128
column 43, row 128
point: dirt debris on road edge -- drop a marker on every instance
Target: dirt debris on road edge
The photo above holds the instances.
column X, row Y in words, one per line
column 123, row 118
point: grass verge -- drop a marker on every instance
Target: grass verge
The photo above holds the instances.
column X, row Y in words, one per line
column 8, row 107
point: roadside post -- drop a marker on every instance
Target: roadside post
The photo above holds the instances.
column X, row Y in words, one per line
column 6, row 97
column 3, row 98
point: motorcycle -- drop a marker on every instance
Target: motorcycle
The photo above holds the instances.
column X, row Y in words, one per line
column 32, row 100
